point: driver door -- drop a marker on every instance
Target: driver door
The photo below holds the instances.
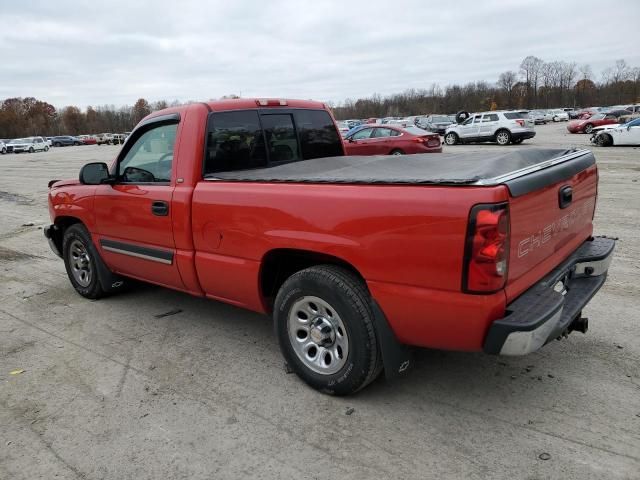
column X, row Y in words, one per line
column 470, row 127
column 133, row 216
column 360, row 143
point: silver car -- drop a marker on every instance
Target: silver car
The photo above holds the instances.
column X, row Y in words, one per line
column 502, row 127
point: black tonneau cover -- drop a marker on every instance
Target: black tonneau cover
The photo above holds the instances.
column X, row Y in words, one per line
column 522, row 170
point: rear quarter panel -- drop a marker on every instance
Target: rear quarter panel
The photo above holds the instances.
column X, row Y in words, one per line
column 406, row 241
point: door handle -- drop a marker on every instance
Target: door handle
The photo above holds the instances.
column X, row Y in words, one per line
column 160, row 208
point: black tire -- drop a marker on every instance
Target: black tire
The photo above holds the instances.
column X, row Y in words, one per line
column 78, row 233
column 503, row 137
column 396, row 151
column 461, row 116
column 4, row 150
column 347, row 295
column 604, row 140
column 451, row 138
column 588, row 128
column 76, row 144
column 46, row 148
column 57, row 144
column 31, row 150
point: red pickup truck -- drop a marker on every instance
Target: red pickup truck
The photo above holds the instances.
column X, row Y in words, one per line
column 252, row 202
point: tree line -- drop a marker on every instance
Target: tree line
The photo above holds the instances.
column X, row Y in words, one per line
column 536, row 84
column 23, row 117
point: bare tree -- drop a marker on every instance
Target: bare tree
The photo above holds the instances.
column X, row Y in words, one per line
column 530, row 71
column 506, row 82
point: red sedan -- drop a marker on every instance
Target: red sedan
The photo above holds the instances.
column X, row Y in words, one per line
column 391, row 140
column 586, row 125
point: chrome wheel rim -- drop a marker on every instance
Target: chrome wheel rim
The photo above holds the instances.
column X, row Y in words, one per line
column 396, row 153
column 80, row 263
column 503, row 138
column 450, row 139
column 588, row 129
column 318, row 335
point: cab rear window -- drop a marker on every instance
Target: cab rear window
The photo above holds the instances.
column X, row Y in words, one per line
column 246, row 139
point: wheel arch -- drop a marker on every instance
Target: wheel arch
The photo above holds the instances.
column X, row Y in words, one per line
column 279, row 264
column 61, row 224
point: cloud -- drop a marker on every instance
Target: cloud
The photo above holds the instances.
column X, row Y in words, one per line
column 116, row 52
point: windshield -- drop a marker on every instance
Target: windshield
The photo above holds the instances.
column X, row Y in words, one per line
column 598, row 116
column 440, row 119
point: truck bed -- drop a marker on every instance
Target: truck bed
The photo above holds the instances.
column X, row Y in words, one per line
column 522, row 170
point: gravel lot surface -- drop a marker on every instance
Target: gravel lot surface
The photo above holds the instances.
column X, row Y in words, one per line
column 114, row 389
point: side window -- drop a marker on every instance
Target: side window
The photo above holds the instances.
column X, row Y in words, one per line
column 280, row 135
column 477, row 119
column 362, row 134
column 235, row 141
column 318, row 134
column 150, row 158
column 468, row 121
column 381, row 133
column 492, row 117
column 394, row 133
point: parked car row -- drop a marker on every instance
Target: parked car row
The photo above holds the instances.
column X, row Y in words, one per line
column 36, row 144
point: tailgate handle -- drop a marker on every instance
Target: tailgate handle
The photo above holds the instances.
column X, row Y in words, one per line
column 160, row 208
column 565, row 196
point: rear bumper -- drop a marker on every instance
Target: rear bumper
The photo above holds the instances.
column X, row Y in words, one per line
column 522, row 135
column 550, row 308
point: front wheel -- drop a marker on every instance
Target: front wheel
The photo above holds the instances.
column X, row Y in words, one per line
column 451, row 138
column 324, row 323
column 4, row 150
column 588, row 128
column 604, row 140
column 397, row 151
column 503, row 137
column 31, row 150
column 46, row 148
column 80, row 257
column 57, row 144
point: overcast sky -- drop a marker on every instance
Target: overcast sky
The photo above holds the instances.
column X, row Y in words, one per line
column 95, row 53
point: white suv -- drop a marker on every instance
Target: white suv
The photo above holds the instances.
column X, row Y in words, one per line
column 29, row 144
column 503, row 127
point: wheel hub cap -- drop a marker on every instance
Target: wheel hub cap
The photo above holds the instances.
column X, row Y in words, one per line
column 318, row 335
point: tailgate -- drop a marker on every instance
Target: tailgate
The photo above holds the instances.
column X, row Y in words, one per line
column 551, row 212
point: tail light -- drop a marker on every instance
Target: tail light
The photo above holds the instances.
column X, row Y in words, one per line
column 430, row 140
column 486, row 249
column 520, row 122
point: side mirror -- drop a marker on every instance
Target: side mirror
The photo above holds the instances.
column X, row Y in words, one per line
column 94, row 173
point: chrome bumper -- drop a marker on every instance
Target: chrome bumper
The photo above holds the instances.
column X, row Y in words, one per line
column 549, row 309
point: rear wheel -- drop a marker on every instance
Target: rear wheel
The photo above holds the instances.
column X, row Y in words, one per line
column 397, row 151
column 588, row 128
column 503, row 137
column 451, row 138
column 325, row 328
